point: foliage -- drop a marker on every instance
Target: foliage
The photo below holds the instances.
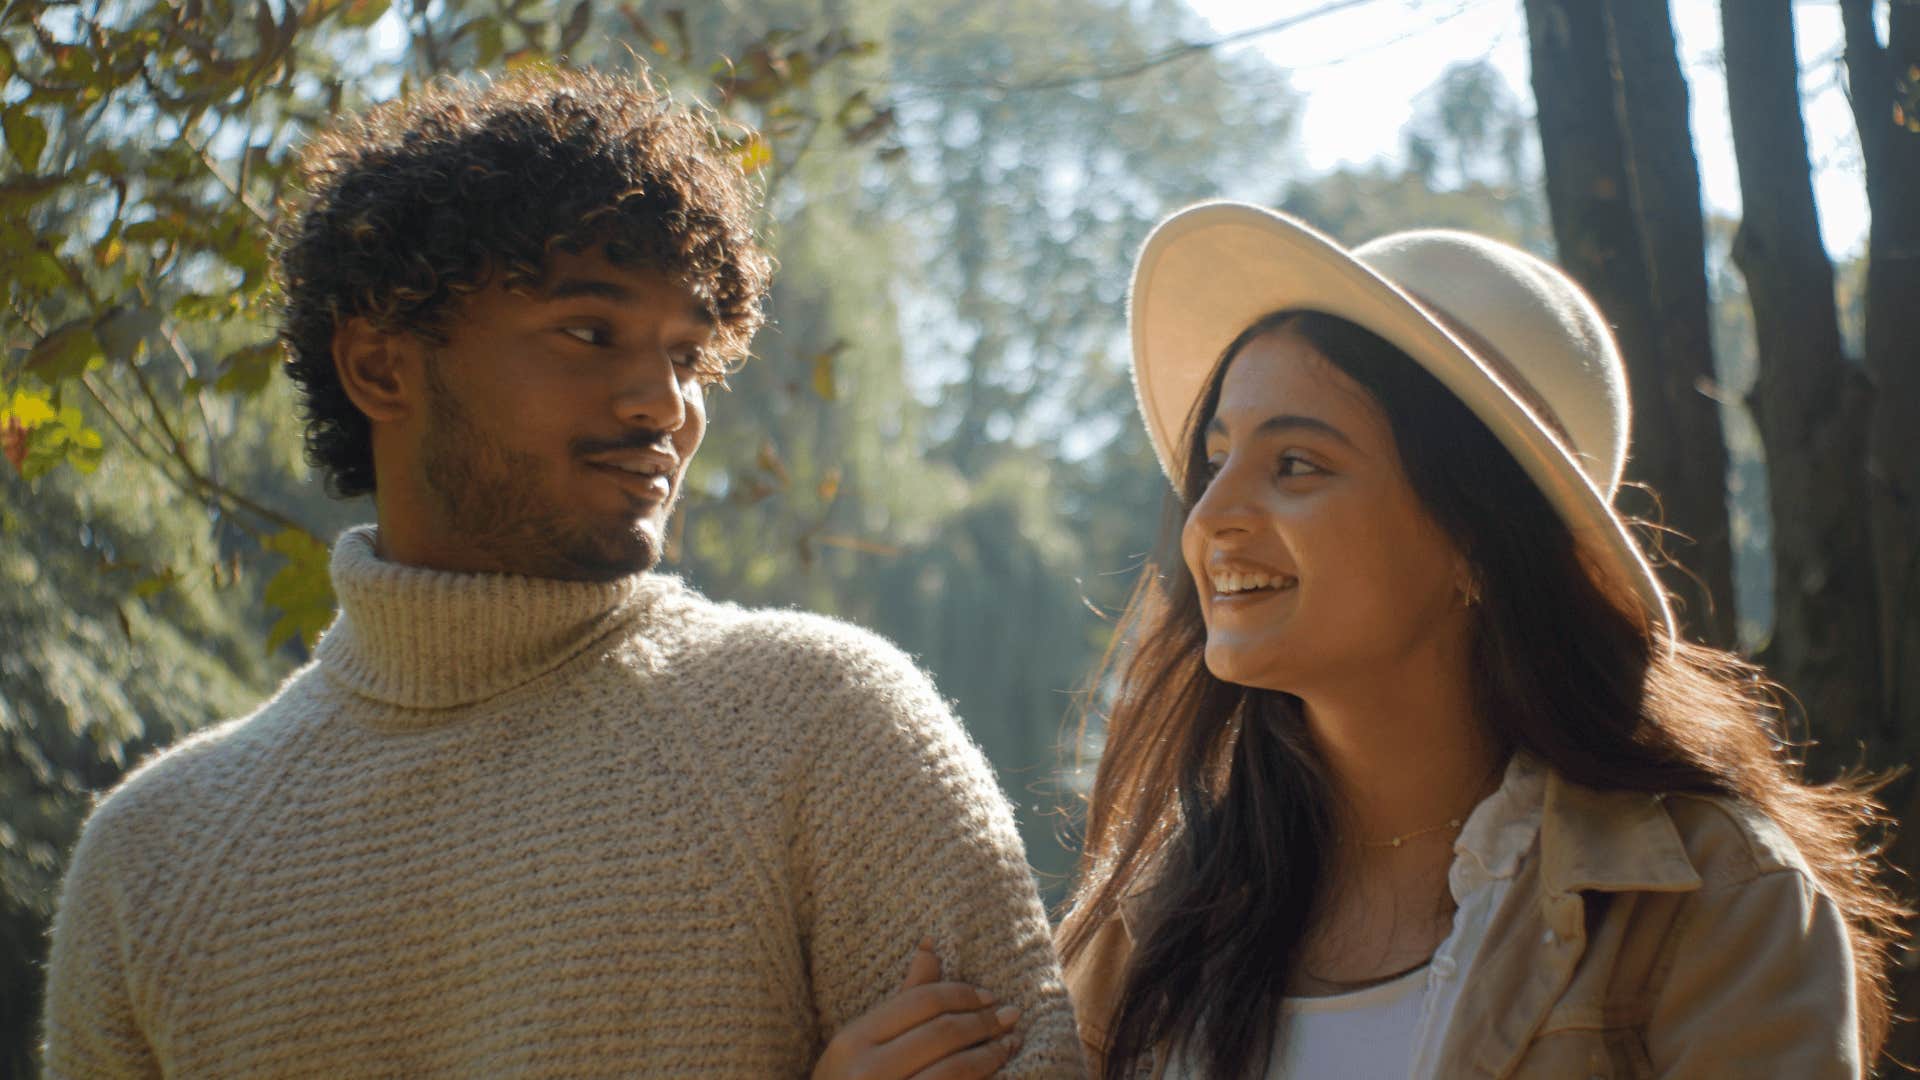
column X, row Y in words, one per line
column 148, row 145
column 164, row 555
column 99, row 665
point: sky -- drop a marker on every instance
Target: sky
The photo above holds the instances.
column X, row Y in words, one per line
column 1362, row 72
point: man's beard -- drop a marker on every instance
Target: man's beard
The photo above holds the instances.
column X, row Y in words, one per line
column 487, row 495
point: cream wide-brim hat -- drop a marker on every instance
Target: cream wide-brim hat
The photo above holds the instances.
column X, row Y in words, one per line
column 1511, row 335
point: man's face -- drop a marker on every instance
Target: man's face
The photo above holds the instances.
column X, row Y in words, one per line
column 560, row 422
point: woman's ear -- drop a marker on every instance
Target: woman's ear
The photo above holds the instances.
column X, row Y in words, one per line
column 380, row 371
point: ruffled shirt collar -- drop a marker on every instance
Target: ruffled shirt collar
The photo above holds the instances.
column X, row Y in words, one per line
column 1501, row 829
column 430, row 639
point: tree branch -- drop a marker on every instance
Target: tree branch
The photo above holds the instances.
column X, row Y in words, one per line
column 1147, row 63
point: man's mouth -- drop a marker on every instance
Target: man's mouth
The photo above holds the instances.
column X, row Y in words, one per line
column 645, row 473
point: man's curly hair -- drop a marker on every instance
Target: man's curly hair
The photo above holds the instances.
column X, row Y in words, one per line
column 422, row 201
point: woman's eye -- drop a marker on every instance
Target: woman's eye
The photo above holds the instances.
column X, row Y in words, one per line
column 1295, row 465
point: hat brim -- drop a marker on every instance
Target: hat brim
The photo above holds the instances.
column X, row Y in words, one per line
column 1208, row 272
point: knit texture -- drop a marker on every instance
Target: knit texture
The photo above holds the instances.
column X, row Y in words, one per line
column 511, row 827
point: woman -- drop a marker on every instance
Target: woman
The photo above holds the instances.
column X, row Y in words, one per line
column 1409, row 772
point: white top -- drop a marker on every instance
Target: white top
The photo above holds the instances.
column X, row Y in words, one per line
column 1364, row 1035
column 1397, row 1029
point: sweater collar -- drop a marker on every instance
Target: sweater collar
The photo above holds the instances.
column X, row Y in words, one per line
column 431, row 639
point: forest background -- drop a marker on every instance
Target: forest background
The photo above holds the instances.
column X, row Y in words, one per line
column 936, row 436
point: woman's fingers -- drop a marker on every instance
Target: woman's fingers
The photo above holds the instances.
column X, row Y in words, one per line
column 952, row 1035
column 976, row 1064
column 923, row 966
column 921, row 1005
column 945, row 1030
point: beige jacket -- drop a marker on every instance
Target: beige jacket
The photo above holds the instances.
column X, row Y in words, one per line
column 1676, row 936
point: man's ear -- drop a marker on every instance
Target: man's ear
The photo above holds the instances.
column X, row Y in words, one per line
column 381, row 372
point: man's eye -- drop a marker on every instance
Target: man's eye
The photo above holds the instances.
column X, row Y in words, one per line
column 591, row 335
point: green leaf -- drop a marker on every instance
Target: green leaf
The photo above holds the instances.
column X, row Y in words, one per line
column 84, row 450
column 26, row 136
column 66, row 353
column 38, row 272
column 123, row 330
column 247, row 371
column 363, row 12
column 488, row 41
column 198, row 307
column 171, row 227
column 19, row 194
column 301, row 590
column 63, row 440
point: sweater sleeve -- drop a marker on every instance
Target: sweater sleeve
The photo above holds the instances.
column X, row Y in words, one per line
column 92, row 1026
column 904, row 834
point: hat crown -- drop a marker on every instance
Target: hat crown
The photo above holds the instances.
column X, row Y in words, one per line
column 1535, row 330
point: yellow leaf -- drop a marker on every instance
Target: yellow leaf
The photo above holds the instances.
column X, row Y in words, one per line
column 754, row 154
column 823, row 383
column 29, row 410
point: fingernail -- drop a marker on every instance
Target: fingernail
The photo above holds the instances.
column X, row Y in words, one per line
column 1007, row 1015
column 926, row 944
column 986, row 995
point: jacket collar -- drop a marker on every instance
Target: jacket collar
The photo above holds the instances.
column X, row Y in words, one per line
column 1604, row 841
column 1609, row 841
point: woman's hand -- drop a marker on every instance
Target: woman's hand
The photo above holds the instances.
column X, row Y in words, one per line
column 928, row 1030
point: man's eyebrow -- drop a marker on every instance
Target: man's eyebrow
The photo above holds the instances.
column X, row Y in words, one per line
column 1285, row 422
column 574, row 288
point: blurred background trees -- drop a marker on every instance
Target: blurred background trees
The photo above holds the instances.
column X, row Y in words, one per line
column 936, row 435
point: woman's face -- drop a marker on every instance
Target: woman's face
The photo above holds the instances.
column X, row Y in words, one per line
column 1315, row 562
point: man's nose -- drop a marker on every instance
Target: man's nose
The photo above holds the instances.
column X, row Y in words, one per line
column 653, row 393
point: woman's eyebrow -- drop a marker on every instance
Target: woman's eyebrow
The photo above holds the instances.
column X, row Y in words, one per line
column 1285, row 422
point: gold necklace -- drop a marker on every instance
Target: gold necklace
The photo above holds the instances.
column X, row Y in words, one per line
column 1396, row 841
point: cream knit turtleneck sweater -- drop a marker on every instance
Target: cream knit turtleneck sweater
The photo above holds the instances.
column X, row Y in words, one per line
column 512, row 827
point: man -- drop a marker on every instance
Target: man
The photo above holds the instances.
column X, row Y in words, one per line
column 535, row 810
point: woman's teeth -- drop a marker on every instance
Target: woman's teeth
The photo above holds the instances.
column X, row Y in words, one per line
column 1237, row 583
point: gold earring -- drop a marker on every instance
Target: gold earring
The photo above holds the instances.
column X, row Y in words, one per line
column 1470, row 593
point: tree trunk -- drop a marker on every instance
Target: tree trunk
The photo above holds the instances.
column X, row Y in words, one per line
column 1690, row 456
column 1809, row 402
column 1597, row 172
column 1893, row 362
column 1886, row 91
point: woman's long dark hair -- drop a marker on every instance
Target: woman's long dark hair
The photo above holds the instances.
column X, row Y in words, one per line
column 1211, row 796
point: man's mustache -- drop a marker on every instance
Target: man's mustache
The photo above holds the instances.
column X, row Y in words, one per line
column 638, row 439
